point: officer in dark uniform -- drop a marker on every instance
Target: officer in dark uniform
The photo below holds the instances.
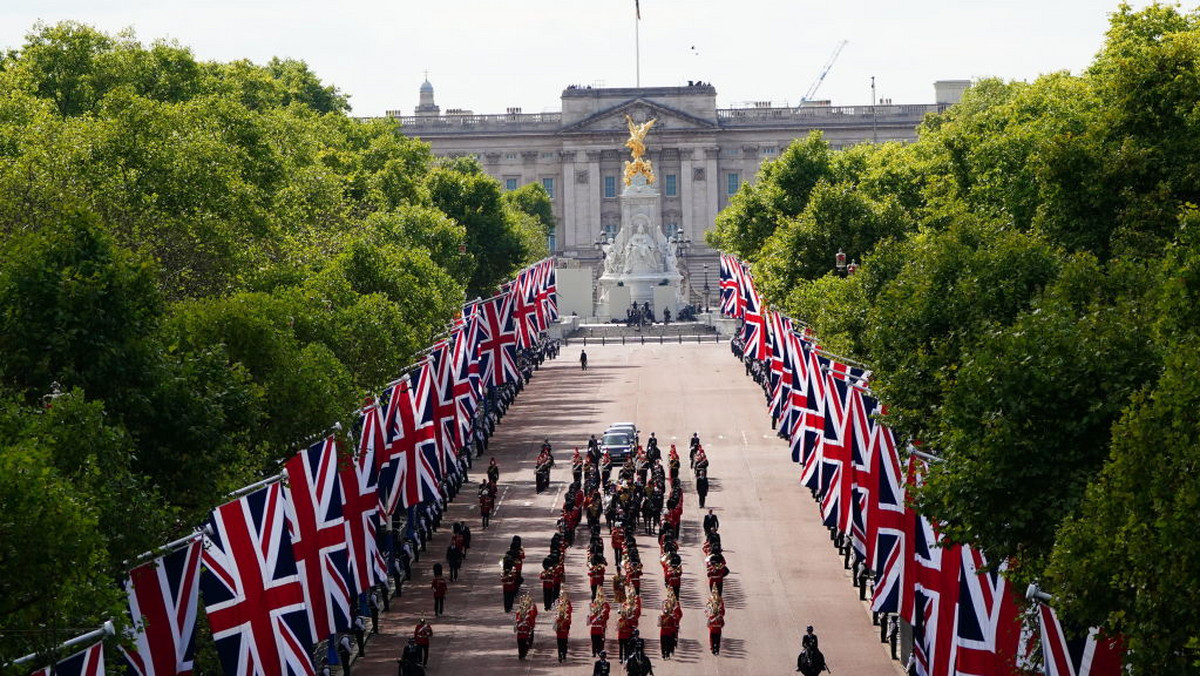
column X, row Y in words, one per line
column 711, row 522
column 601, row 668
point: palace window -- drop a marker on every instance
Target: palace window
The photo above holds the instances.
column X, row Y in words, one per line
column 610, row 186
column 734, row 182
column 770, row 150
column 511, row 183
column 510, row 156
column 671, row 185
column 548, row 184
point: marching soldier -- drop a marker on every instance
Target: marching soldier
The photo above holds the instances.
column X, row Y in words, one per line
column 716, row 622
column 439, row 590
column 423, row 634
column 598, row 621
column 562, row 626
column 525, row 621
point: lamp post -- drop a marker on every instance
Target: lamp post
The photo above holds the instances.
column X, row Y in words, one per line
column 852, row 268
column 839, row 261
column 706, row 288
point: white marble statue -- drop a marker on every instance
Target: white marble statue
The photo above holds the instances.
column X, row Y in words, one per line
column 642, row 253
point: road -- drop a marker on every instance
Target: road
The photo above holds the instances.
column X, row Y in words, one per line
column 785, row 572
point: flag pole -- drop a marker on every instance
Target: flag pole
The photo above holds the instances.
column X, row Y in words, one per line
column 106, row 629
column 637, row 42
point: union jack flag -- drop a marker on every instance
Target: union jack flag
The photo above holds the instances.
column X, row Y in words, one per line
column 441, row 369
column 497, row 341
column 989, row 632
column 315, row 507
column 808, row 427
column 861, row 468
column 548, row 292
column 888, row 523
column 781, row 364
column 254, row 597
column 1092, row 654
column 411, row 474
column 86, row 662
column 730, row 286
column 163, row 597
column 363, row 510
column 936, row 578
column 465, row 365
column 815, row 474
column 833, row 455
column 523, row 293
column 755, row 329
column 798, row 396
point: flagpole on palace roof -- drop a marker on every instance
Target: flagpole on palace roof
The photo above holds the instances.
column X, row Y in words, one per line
column 637, row 41
column 106, row 629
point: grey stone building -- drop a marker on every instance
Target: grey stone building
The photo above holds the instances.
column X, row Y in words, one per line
column 701, row 153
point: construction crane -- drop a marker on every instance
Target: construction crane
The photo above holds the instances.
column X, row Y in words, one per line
column 812, row 89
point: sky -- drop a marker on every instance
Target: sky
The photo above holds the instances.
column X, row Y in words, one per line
column 488, row 56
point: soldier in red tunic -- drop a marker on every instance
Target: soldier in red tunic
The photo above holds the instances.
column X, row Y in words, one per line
column 562, row 626
column 422, row 635
column 524, row 622
column 439, row 590
column 716, row 622
column 598, row 621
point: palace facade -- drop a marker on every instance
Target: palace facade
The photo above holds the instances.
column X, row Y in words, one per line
column 701, row 153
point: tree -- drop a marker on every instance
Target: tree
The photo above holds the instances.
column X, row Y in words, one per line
column 76, row 309
column 781, row 191
column 533, row 199
column 461, row 190
column 1025, row 424
column 951, row 287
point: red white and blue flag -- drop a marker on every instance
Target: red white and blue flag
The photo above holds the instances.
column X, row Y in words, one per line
column 318, row 527
column 465, row 365
column 410, row 475
column 363, row 509
column 1088, row 654
column 86, row 662
column 755, row 330
column 548, row 292
column 497, row 341
column 730, row 285
column 889, row 522
column 252, row 590
column 163, row 599
column 441, row 369
column 989, row 633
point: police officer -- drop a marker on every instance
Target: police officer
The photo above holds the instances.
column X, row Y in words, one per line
column 601, row 667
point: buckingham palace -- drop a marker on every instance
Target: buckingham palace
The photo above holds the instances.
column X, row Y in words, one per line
column 701, row 153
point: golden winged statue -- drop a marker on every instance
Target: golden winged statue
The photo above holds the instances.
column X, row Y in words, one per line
column 637, row 148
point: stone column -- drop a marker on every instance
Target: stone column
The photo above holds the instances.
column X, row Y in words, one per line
column 687, row 192
column 565, row 229
column 595, row 186
column 712, row 203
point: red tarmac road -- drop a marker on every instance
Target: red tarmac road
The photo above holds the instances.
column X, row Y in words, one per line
column 785, row 571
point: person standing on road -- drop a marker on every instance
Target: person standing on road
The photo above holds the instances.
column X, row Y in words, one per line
column 701, row 485
column 423, row 634
column 439, row 590
column 583, row 360
column 711, row 522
